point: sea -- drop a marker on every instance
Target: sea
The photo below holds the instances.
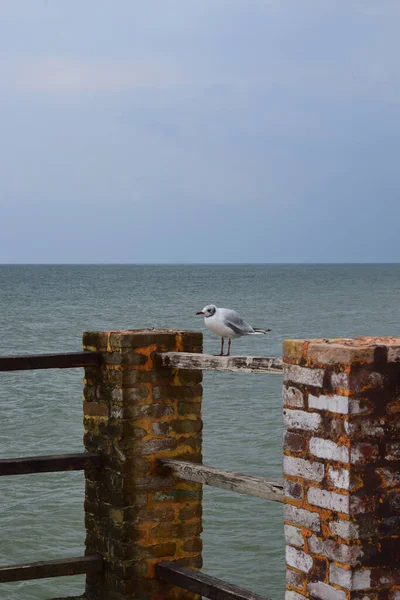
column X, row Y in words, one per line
column 45, row 308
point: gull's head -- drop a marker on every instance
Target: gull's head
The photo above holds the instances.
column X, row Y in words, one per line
column 208, row 311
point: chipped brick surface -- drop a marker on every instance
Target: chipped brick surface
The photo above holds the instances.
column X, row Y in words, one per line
column 292, row 595
column 136, row 514
column 340, row 576
column 298, row 559
column 325, row 592
column 294, row 536
column 299, row 467
column 292, row 397
column 302, row 517
column 294, row 442
column 296, row 374
column 295, row 579
column 339, row 477
column 344, row 529
column 325, row 499
column 336, row 404
column 293, row 489
column 342, row 481
column 300, row 419
column 322, row 448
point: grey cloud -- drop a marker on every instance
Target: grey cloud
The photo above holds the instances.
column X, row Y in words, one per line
column 231, row 130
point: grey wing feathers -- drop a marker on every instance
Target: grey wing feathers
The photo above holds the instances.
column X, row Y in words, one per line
column 236, row 323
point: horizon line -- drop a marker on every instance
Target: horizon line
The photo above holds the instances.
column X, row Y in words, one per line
column 132, row 264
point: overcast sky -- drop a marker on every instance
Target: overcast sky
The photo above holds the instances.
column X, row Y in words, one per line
column 199, row 131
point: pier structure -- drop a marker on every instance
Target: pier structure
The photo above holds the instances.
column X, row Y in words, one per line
column 144, row 469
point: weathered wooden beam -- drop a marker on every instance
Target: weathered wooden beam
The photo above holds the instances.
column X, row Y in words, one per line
column 227, row 480
column 235, row 364
column 202, row 584
column 65, row 360
column 52, row 568
column 47, row 464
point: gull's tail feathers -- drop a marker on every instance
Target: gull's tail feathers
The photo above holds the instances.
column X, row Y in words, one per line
column 259, row 331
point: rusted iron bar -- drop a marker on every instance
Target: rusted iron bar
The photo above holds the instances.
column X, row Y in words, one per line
column 65, row 360
column 234, row 364
column 52, row 568
column 205, row 585
column 47, row 464
column 251, row 485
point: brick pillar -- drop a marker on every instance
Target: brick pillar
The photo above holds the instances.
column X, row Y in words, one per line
column 341, row 468
column 136, row 514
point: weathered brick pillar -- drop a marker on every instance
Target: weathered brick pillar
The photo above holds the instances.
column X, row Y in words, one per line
column 341, row 467
column 135, row 412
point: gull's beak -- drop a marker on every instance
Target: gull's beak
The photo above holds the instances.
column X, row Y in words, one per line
column 200, row 312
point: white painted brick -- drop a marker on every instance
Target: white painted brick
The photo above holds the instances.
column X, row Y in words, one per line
column 291, row 595
column 294, row 578
column 330, row 500
column 340, row 552
column 292, row 489
column 340, row 380
column 294, row 536
column 390, row 477
column 298, row 467
column 344, row 529
column 358, row 406
column 325, row 591
column 158, row 429
column 327, row 449
column 349, row 578
column 364, row 504
column 393, row 451
column 116, row 412
column 361, row 579
column 298, row 559
column 336, row 404
column 368, row 428
column 302, row 517
column 357, row 452
column 375, row 380
column 116, row 395
column 342, row 577
column 340, row 478
column 373, row 428
column 386, row 579
column 314, row 377
column 300, row 419
column 393, row 356
column 292, row 397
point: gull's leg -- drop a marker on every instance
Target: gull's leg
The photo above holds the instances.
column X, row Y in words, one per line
column 229, row 347
column 222, row 348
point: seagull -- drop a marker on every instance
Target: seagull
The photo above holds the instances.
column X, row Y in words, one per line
column 227, row 323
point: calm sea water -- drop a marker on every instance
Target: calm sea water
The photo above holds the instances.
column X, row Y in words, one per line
column 46, row 308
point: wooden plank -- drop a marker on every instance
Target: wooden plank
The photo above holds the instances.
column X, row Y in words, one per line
column 52, row 568
column 234, row 364
column 200, row 583
column 227, row 480
column 47, row 464
column 65, row 360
